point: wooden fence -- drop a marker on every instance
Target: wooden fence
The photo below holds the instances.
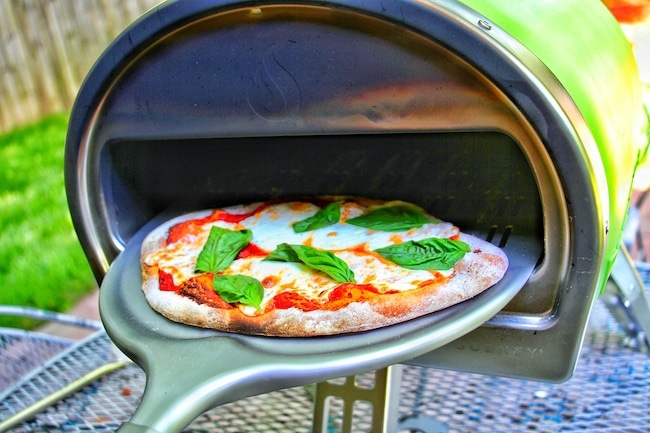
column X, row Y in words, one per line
column 48, row 46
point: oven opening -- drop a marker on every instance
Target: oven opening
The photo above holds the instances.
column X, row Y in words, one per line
column 479, row 180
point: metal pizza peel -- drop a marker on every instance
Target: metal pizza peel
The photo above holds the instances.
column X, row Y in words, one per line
column 191, row 370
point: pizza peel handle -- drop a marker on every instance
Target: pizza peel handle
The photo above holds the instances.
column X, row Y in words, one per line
column 175, row 396
column 190, row 370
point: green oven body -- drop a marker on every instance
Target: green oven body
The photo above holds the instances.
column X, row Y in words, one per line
column 599, row 72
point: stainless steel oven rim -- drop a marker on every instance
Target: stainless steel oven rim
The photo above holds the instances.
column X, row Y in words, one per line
column 560, row 147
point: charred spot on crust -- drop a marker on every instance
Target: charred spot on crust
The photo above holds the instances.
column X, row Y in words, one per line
column 202, row 294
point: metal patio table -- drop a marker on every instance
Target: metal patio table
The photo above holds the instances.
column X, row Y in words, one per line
column 609, row 391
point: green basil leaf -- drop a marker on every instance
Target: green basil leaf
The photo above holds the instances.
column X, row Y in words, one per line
column 239, row 288
column 283, row 253
column 320, row 260
column 221, row 249
column 437, row 254
column 326, row 216
column 391, row 218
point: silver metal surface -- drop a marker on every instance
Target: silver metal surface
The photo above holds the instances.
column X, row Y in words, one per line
column 626, row 298
column 48, row 376
column 379, row 396
column 608, row 393
column 210, row 368
column 23, row 351
column 30, row 411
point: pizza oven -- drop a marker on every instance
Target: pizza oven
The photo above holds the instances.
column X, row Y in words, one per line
column 502, row 121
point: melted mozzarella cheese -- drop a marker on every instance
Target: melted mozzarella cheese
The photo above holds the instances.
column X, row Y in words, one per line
column 273, row 226
column 179, row 258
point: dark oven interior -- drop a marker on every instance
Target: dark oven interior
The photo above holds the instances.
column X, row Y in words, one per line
column 480, row 180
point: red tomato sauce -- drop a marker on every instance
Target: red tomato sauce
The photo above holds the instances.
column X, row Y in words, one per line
column 194, row 226
column 342, row 295
column 286, row 300
column 252, row 250
column 166, row 282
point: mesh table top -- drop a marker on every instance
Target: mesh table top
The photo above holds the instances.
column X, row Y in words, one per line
column 609, row 392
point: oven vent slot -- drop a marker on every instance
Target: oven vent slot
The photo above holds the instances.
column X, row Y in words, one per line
column 505, row 235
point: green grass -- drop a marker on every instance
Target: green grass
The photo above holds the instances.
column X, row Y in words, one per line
column 41, row 262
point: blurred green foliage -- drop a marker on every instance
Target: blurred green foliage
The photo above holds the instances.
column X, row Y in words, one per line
column 41, row 261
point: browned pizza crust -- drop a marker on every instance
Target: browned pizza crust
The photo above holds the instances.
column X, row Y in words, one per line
column 478, row 270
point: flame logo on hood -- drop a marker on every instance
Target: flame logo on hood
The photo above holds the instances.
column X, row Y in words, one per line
column 273, row 92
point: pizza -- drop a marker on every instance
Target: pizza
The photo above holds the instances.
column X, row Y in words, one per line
column 312, row 266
